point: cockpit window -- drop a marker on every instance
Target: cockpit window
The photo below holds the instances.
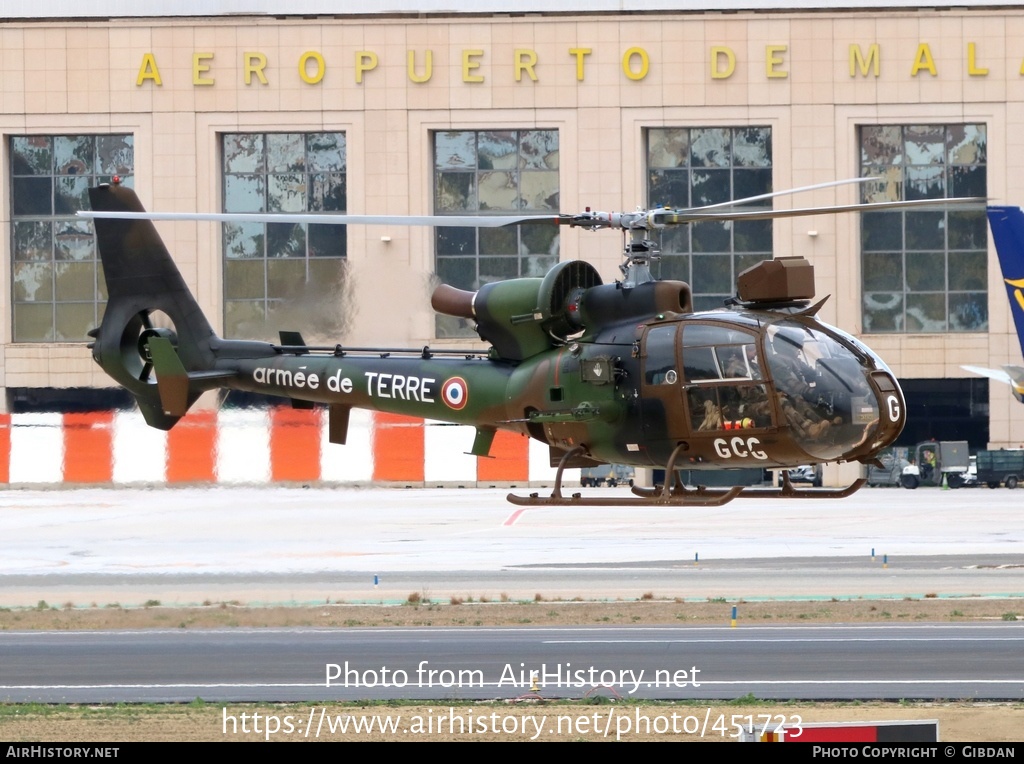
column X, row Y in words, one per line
column 822, row 389
column 660, row 363
column 729, row 407
column 712, row 353
column 721, row 368
column 714, row 334
column 700, row 364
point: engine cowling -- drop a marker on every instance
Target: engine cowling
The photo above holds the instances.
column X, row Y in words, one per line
column 523, row 317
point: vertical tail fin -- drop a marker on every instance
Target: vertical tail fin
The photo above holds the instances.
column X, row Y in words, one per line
column 1007, row 225
column 144, row 289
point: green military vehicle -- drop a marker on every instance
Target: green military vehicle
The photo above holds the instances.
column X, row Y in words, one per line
column 1002, row 467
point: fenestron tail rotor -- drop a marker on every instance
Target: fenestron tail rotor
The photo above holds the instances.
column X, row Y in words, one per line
column 155, row 323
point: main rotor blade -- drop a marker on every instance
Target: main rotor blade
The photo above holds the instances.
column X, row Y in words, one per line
column 638, row 219
column 786, row 192
column 684, row 217
column 468, row 221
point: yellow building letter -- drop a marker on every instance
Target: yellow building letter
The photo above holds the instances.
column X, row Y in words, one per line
column 718, row 54
column 861, row 64
column 198, row 67
column 580, row 53
column 525, row 60
column 772, row 59
column 627, row 61
column 924, row 60
column 972, row 62
column 318, row 73
column 254, row 63
column 366, row 61
column 428, row 67
column 468, row 65
column 148, row 70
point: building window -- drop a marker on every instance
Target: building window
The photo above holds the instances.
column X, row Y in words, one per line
column 57, row 282
column 284, row 275
column 493, row 172
column 695, row 166
column 924, row 271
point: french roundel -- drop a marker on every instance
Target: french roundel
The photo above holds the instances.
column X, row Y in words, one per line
column 455, row 393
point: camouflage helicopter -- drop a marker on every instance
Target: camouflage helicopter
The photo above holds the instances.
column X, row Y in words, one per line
column 623, row 373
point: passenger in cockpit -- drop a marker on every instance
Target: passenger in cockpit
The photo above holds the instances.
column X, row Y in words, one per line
column 792, row 380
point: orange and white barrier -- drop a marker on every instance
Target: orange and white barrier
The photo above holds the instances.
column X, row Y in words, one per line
column 257, row 446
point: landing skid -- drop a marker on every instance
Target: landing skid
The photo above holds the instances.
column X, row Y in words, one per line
column 677, row 494
column 695, row 498
column 789, row 491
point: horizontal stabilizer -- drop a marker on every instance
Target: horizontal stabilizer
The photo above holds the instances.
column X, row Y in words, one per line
column 1008, row 375
column 171, row 377
column 997, row 374
column 179, row 388
column 293, row 340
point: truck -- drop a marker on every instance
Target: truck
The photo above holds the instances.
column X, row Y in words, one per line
column 1002, row 467
column 893, row 461
column 606, row 474
column 932, row 460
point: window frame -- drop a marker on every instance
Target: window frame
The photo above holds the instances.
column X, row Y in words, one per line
column 463, row 164
column 679, row 160
column 61, row 244
column 904, row 246
column 270, row 267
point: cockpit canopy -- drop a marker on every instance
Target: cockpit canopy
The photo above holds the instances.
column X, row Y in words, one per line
column 752, row 375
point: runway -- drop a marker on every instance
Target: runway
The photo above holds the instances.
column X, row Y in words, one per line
column 269, row 546
column 260, row 546
column 982, row 662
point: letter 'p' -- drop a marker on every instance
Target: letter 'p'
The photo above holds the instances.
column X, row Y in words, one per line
column 332, row 671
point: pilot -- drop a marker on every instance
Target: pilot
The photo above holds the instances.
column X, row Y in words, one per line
column 791, row 380
column 802, row 416
column 752, row 363
column 742, row 364
column 748, row 400
column 791, row 372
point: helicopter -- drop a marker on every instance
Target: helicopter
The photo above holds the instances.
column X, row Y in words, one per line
column 624, row 372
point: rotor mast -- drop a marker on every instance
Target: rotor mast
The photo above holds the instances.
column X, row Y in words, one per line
column 638, row 249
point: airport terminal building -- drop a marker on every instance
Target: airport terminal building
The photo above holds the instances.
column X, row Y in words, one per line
column 488, row 107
